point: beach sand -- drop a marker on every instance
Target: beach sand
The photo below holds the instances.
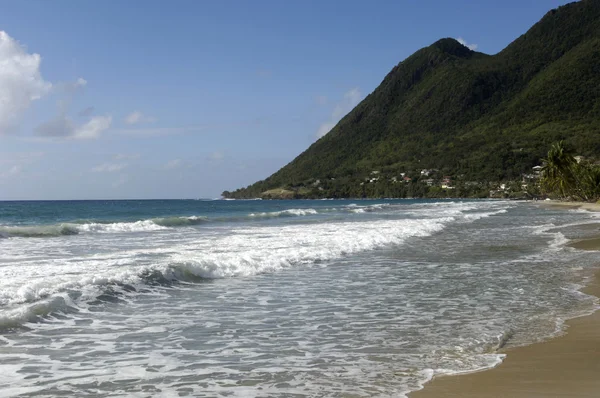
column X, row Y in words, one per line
column 567, row 366
column 571, row 205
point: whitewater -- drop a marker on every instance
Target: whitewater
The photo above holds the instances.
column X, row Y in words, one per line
column 277, row 298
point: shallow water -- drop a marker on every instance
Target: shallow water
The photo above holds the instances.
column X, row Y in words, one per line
column 276, row 298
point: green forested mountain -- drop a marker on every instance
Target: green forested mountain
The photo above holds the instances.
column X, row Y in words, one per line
column 468, row 115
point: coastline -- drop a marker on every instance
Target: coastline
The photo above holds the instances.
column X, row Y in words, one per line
column 565, row 366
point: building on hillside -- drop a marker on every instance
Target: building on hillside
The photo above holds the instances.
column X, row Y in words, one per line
column 447, row 182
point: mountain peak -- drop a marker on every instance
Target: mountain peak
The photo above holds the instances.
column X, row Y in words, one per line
column 452, row 46
column 480, row 118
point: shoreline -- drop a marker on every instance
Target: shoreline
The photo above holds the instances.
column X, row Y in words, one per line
column 564, row 366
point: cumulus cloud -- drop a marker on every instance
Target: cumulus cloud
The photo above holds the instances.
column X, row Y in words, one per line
column 63, row 126
column 349, row 101
column 471, row 47
column 109, row 167
column 137, row 117
column 21, row 82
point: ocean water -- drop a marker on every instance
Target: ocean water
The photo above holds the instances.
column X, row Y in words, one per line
column 277, row 298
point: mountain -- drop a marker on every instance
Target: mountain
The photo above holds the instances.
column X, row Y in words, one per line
column 465, row 114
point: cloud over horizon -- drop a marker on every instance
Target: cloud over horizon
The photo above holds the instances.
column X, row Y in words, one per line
column 21, row 82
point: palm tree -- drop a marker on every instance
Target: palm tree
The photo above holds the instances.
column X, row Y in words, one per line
column 589, row 176
column 557, row 172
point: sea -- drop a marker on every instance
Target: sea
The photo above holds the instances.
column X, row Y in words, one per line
column 302, row 298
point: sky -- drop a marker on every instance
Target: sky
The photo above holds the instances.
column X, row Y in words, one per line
column 112, row 99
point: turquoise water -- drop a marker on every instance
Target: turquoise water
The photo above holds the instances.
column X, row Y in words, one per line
column 276, row 298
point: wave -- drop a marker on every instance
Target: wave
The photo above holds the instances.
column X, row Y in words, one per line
column 286, row 213
column 179, row 221
column 270, row 249
column 39, row 231
column 162, row 223
column 247, row 252
column 77, row 227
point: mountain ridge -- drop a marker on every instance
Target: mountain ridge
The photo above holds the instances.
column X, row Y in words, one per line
column 463, row 113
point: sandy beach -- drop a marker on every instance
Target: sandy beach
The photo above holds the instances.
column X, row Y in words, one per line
column 571, row 205
column 567, row 366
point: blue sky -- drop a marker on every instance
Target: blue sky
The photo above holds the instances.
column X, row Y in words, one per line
column 184, row 99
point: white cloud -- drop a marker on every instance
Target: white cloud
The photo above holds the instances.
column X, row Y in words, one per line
column 173, row 164
column 138, row 117
column 109, row 167
column 20, row 81
column 350, row 100
column 93, row 128
column 471, row 47
column 63, row 126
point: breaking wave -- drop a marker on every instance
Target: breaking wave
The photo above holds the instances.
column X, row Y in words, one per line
column 165, row 223
column 250, row 251
column 74, row 228
column 38, row 231
column 286, row 213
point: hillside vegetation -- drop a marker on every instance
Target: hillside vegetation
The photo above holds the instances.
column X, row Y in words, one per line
column 464, row 114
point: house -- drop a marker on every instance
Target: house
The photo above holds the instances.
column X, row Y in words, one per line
column 375, row 172
column 537, row 169
column 429, row 182
column 407, row 179
column 579, row 158
column 426, row 172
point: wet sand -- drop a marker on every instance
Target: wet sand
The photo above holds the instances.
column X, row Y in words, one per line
column 571, row 205
column 567, row 366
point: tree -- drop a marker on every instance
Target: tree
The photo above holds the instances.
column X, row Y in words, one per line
column 557, row 172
